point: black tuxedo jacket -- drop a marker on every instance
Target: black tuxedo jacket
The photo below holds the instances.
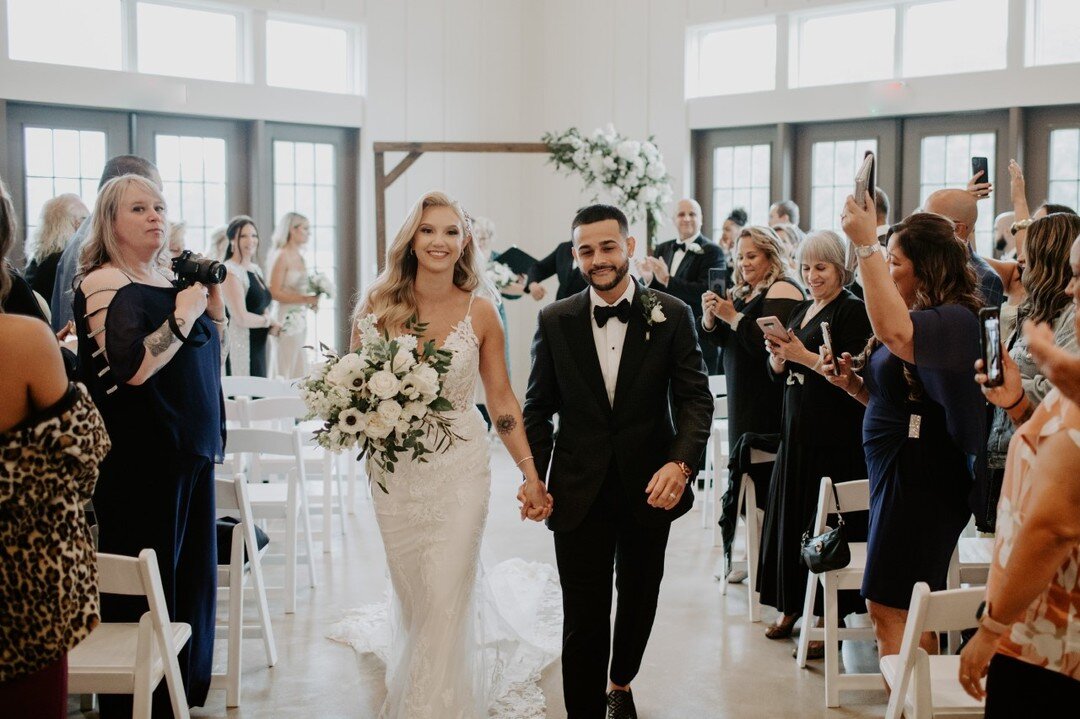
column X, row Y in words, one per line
column 660, row 369
column 692, row 278
column 560, row 262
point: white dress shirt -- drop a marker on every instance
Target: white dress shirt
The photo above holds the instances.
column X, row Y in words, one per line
column 609, row 339
column 680, row 254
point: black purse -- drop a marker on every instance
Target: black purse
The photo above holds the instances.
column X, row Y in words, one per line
column 827, row 551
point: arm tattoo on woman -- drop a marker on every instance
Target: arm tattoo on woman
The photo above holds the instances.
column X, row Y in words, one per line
column 505, row 424
column 160, row 340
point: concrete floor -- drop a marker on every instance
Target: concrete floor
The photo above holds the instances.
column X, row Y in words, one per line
column 705, row 660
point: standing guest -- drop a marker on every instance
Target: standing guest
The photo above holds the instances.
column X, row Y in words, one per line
column 150, row 355
column 1004, row 241
column 811, row 448
column 17, row 297
column 1026, row 643
column 248, row 300
column 289, row 287
column 1061, row 367
column 882, row 208
column 60, row 218
column 52, row 440
column 762, row 288
column 560, row 263
column 924, row 425
column 218, row 244
column 483, row 230
column 792, row 237
column 681, row 268
column 729, row 235
column 177, row 239
column 961, row 207
column 783, row 211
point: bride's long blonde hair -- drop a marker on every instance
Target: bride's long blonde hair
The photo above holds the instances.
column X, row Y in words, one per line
column 392, row 297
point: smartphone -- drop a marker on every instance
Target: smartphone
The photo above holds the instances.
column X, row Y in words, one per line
column 990, row 322
column 773, row 327
column 718, row 281
column 826, row 332
column 865, row 179
column 979, row 164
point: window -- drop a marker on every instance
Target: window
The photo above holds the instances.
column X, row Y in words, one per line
column 945, row 161
column 193, row 174
column 741, row 179
column 833, row 178
column 1053, row 26
column 1065, row 167
column 853, row 47
column 932, row 46
column 304, row 182
column 60, row 161
column 186, row 42
column 733, row 61
column 67, row 32
column 308, row 57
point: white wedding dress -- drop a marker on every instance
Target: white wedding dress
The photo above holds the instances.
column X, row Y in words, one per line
column 457, row 642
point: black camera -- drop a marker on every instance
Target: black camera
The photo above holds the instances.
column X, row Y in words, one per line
column 191, row 268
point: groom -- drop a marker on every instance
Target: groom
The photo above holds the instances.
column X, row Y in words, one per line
column 613, row 361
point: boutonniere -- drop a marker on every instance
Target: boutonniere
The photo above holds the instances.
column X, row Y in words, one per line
column 654, row 313
column 695, row 248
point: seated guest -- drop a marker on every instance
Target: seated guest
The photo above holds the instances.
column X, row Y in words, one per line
column 783, row 211
column 811, row 448
column 52, row 439
column 961, row 207
column 681, row 268
column 150, row 355
column 924, row 425
column 60, row 218
column 560, row 263
column 1026, row 643
column 248, row 300
column 762, row 288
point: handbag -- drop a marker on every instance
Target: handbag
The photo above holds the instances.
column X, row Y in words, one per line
column 828, row 551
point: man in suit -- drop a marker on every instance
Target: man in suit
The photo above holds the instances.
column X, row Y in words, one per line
column 560, row 262
column 784, row 212
column 681, row 268
column 613, row 361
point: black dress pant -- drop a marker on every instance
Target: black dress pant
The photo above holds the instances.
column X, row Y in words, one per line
column 164, row 502
column 608, row 541
column 1016, row 689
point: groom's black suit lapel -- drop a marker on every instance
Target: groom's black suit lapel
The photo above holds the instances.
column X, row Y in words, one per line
column 633, row 351
column 578, row 323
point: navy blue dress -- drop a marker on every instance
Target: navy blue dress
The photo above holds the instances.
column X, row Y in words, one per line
column 920, row 477
column 156, row 486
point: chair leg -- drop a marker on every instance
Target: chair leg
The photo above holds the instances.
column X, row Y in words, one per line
column 291, row 540
column 309, row 542
column 753, row 541
column 236, row 635
column 953, row 582
column 808, row 619
column 832, row 645
column 264, row 610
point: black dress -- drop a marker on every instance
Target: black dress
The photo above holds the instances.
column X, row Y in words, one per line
column 821, row 437
column 920, row 453
column 42, row 275
column 754, row 400
column 156, row 487
column 257, row 301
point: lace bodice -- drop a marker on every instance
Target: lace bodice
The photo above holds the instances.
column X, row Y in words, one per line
column 459, row 386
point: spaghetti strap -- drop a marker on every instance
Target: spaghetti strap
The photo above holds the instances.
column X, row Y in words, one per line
column 468, row 312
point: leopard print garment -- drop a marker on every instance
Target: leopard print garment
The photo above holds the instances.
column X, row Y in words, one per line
column 48, row 571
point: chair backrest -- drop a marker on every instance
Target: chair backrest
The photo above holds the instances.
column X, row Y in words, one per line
column 718, row 385
column 263, row 441
column 237, row 386
column 274, row 408
column 720, row 408
column 854, row 496
column 236, row 411
column 225, row 494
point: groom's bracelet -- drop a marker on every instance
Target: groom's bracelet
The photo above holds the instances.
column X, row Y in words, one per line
column 686, row 471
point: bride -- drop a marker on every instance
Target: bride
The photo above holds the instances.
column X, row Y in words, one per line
column 450, row 653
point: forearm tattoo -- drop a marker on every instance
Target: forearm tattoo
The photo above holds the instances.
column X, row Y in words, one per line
column 505, row 424
column 160, row 340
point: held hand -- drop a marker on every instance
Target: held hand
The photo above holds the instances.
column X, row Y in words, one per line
column 536, row 502
column 1059, row 366
column 979, row 189
column 840, row 373
column 1008, row 392
column 860, row 223
column 191, row 302
column 275, row 329
column 537, row 291
column 312, row 301
column 974, row 660
column 666, row 487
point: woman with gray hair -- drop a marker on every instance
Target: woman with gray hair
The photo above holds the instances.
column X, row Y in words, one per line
column 60, row 218
column 821, row 432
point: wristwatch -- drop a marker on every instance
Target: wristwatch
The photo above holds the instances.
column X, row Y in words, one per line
column 686, row 471
column 864, row 251
column 989, row 623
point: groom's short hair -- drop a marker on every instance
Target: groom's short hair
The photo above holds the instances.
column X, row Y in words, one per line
column 598, row 213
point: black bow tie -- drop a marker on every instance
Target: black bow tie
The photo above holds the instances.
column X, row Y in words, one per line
column 620, row 311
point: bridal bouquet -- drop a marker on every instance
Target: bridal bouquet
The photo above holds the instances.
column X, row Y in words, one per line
column 386, row 399
column 501, row 275
column 320, row 284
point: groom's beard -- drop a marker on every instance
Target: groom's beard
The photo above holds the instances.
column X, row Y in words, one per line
column 620, row 272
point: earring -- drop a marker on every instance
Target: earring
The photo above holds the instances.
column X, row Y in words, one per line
column 412, row 251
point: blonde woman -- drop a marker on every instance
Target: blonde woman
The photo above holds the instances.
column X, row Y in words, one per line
column 60, row 218
column 432, row 517
column 763, row 288
column 289, row 288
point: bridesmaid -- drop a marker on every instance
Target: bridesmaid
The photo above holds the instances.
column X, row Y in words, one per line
column 248, row 300
column 289, row 288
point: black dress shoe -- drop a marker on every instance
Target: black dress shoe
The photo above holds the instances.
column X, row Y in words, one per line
column 620, row 705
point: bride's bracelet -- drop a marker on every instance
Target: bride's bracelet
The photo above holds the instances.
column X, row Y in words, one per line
column 522, row 461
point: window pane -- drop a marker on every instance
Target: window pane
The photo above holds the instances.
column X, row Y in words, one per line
column 59, row 161
column 1065, row 193
column 946, row 162
column 308, row 57
column 741, row 179
column 66, row 153
column 866, row 52
column 67, row 32
column 186, row 42
column 835, row 165
column 192, row 194
column 737, row 60
column 1055, row 28
column 930, row 42
column 1065, row 154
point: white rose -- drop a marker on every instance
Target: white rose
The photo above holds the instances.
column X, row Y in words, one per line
column 426, row 380
column 657, row 315
column 596, row 164
column 402, row 427
column 417, row 410
column 649, row 195
column 628, row 150
column 609, row 163
column 650, row 150
column 404, row 360
column 352, row 421
column 656, row 170
column 377, row 427
column 389, row 410
column 383, row 384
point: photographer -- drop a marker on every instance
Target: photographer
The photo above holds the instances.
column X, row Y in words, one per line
column 150, row 355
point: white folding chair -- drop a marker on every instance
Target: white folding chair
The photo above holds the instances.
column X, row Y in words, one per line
column 232, row 499
column 718, row 389
column 925, row 686
column 280, row 500
column 970, row 565
column 242, row 386
column 853, row 497
column 129, row 658
column 746, row 507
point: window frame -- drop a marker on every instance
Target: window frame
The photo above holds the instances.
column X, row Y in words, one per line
column 694, row 37
column 795, row 33
column 1031, row 41
column 355, row 38
column 243, row 35
column 705, row 143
